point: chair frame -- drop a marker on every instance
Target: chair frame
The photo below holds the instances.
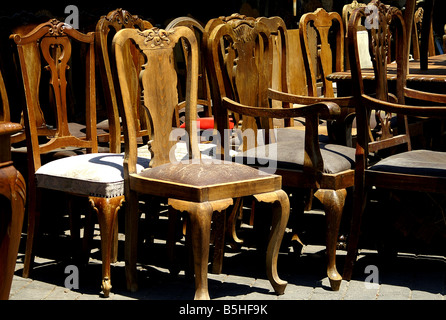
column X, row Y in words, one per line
column 198, row 201
column 53, row 34
column 331, row 188
column 365, row 178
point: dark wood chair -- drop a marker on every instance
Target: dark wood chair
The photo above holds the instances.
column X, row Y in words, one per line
column 196, row 187
column 240, row 76
column 385, row 160
column 13, row 191
column 49, row 63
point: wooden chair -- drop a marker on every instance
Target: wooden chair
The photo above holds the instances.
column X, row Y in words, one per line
column 49, row 50
column 400, row 168
column 196, row 187
column 206, row 121
column 322, row 56
column 106, row 28
column 241, row 78
column 13, row 190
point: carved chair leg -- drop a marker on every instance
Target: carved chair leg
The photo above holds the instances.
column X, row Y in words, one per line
column 15, row 191
column 281, row 212
column 107, row 210
column 200, row 217
column 333, row 202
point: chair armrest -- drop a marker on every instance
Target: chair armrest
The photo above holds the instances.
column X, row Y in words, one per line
column 325, row 109
column 9, row 128
column 425, row 96
column 420, row 111
column 6, row 130
column 306, row 100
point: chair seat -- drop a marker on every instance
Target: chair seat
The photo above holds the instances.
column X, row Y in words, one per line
column 207, row 180
column 94, row 174
column 290, row 155
column 416, row 162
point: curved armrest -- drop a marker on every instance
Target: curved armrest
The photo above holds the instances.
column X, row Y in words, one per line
column 297, row 99
column 420, row 111
column 9, row 128
column 325, row 109
column 6, row 130
column 426, row 96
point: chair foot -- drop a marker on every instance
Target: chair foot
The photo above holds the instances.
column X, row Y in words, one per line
column 335, row 281
column 106, row 286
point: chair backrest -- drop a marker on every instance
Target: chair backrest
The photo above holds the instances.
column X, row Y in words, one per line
column 346, row 13
column 51, row 74
column 386, row 29
column 106, row 28
column 280, row 76
column 416, row 32
column 240, row 55
column 160, row 95
column 328, row 57
column 204, row 91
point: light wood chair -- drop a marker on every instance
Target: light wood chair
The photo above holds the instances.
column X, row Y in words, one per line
column 322, row 56
column 196, row 187
column 385, row 160
column 49, row 50
column 241, row 78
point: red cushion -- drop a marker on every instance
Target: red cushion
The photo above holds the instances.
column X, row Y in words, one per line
column 207, row 123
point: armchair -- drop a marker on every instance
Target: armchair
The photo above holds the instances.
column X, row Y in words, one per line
column 394, row 165
column 240, row 76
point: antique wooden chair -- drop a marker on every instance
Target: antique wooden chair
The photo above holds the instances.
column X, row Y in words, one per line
column 106, row 28
column 241, row 78
column 196, row 187
column 402, row 168
column 48, row 50
column 206, row 121
column 322, row 56
column 13, row 191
